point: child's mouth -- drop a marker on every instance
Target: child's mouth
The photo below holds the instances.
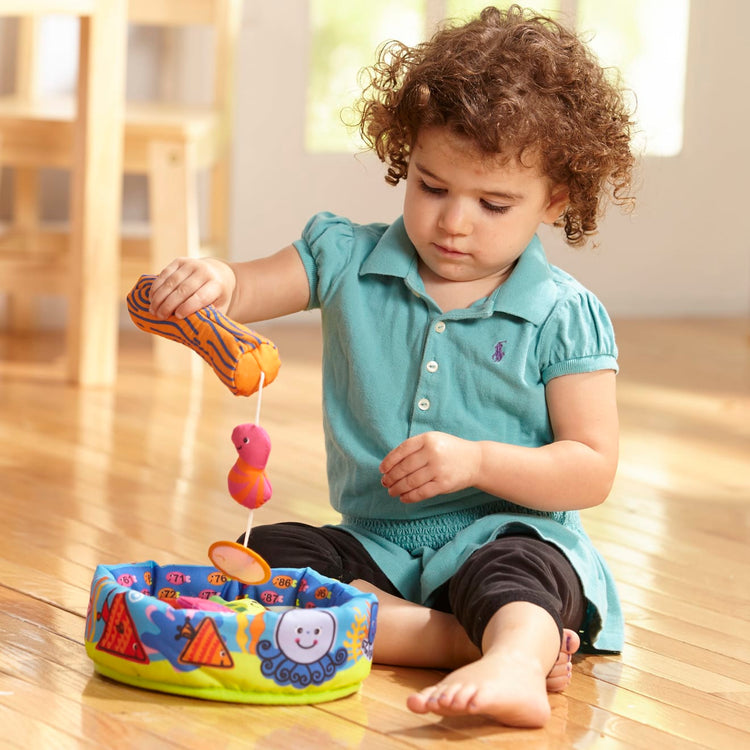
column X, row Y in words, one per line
column 448, row 251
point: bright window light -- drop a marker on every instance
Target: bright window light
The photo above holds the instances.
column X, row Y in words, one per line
column 645, row 39
column 344, row 39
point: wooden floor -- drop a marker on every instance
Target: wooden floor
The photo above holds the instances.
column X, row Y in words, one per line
column 138, row 472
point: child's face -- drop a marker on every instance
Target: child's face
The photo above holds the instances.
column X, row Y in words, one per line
column 468, row 217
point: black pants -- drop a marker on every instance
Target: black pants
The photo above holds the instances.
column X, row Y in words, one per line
column 508, row 569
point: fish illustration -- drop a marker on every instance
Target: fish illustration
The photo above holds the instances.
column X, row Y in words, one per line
column 283, row 582
column 217, row 578
column 271, row 597
column 247, row 480
column 120, row 636
column 127, row 579
column 177, row 577
column 205, row 646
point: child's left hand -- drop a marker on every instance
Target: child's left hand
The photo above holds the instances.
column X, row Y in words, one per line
column 430, row 464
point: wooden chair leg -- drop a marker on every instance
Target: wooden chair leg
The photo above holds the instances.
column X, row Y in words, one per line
column 219, row 213
column 1, row 163
column 173, row 206
column 93, row 308
column 21, row 307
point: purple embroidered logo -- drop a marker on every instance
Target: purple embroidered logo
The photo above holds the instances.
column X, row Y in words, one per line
column 499, row 352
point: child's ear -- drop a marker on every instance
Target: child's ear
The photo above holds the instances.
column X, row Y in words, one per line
column 558, row 201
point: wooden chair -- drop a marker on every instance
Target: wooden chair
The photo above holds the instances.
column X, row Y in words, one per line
column 95, row 138
column 170, row 143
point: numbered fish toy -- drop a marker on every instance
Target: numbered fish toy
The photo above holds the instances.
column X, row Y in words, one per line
column 248, row 484
column 234, row 630
column 245, row 362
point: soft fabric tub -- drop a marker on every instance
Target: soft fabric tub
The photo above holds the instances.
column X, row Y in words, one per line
column 188, row 629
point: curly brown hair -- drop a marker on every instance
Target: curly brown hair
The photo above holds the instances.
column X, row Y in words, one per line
column 513, row 83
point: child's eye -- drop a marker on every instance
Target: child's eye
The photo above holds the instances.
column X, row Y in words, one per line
column 494, row 208
column 429, row 189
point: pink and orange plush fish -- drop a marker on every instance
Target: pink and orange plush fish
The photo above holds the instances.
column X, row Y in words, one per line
column 247, row 481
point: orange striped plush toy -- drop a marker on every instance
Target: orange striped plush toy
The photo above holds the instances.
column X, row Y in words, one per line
column 236, row 354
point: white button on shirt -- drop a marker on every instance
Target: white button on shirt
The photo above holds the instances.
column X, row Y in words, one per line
column 424, row 404
column 440, row 326
column 432, row 366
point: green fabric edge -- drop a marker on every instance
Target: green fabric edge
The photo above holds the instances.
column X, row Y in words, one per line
column 230, row 696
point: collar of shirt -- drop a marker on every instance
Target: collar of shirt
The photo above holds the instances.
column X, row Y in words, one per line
column 529, row 292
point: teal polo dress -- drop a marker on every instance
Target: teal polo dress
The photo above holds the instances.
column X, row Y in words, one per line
column 396, row 365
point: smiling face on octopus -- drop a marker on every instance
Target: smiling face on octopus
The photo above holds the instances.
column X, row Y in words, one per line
column 305, row 636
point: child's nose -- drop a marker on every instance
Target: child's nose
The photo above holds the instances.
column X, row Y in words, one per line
column 454, row 218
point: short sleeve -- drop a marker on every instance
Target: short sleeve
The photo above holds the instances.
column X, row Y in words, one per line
column 577, row 337
column 325, row 249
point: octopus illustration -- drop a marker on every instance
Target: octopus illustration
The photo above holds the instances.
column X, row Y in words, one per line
column 303, row 654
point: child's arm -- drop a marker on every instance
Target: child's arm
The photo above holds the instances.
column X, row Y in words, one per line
column 246, row 292
column 575, row 471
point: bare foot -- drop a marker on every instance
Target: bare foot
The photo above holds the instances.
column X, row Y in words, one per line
column 507, row 690
column 504, row 687
column 560, row 675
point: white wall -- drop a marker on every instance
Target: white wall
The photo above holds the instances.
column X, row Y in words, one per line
column 278, row 186
column 684, row 251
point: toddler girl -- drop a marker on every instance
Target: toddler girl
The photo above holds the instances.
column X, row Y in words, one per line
column 469, row 386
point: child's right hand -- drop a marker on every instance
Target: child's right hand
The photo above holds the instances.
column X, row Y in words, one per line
column 187, row 285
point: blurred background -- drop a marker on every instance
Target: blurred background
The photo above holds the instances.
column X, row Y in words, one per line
column 683, row 252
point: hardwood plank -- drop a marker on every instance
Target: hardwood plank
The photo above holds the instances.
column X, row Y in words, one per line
column 27, row 733
column 31, row 637
column 680, row 723
column 616, row 546
column 672, row 693
column 139, row 472
column 671, row 665
column 687, row 653
column 644, row 603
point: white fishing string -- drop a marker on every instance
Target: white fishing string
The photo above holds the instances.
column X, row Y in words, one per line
column 257, row 421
